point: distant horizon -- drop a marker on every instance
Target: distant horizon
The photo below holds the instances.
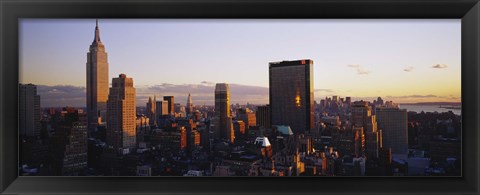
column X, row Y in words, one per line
column 400, row 60
column 143, row 97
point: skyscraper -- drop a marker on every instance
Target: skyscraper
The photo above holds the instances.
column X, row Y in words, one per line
column 361, row 116
column 171, row 104
column 189, row 108
column 291, row 94
column 161, row 109
column 247, row 116
column 121, row 133
column 29, row 110
column 151, row 109
column 222, row 110
column 70, row 140
column 97, row 82
column 263, row 116
column 393, row 122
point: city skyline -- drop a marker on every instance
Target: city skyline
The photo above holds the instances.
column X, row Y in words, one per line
column 337, row 73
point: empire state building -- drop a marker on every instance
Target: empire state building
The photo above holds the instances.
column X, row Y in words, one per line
column 97, row 82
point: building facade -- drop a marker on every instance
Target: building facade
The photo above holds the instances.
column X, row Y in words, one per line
column 151, row 110
column 222, row 111
column 291, row 94
column 394, row 125
column 189, row 108
column 171, row 104
column 361, row 116
column 161, row 111
column 97, row 82
column 247, row 116
column 121, row 119
column 29, row 110
column 263, row 116
column 70, row 140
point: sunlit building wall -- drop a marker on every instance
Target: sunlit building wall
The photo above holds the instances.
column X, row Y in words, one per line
column 171, row 104
column 121, row 118
column 361, row 116
column 97, row 82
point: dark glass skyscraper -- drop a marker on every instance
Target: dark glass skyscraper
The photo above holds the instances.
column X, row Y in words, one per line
column 222, row 112
column 291, row 94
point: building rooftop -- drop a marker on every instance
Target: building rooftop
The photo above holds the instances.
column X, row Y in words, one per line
column 262, row 141
column 222, row 87
column 291, row 63
column 285, row 130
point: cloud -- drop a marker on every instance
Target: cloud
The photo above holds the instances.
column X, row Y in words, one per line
column 414, row 96
column 207, row 83
column 408, row 69
column 60, row 96
column 360, row 69
column 440, row 66
column 325, row 90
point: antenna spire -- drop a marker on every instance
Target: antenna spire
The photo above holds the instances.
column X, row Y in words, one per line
column 97, row 33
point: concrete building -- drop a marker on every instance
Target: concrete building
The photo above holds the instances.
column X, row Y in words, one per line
column 171, row 104
column 239, row 128
column 189, row 107
column 29, row 110
column 161, row 109
column 70, row 140
column 247, row 116
column 291, row 94
column 121, row 118
column 151, row 107
column 230, row 131
column 97, row 82
column 361, row 116
column 394, row 125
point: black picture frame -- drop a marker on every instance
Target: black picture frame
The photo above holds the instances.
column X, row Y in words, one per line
column 466, row 10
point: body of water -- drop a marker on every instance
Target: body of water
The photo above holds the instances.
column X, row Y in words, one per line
column 429, row 108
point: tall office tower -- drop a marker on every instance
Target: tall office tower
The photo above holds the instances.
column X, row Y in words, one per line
column 291, row 94
column 247, row 116
column 239, row 128
column 121, row 115
column 151, row 109
column 222, row 110
column 359, row 141
column 70, row 142
column 361, row 116
column 189, row 108
column 29, row 110
column 171, row 104
column 97, row 82
column 161, row 109
column 393, row 122
column 263, row 116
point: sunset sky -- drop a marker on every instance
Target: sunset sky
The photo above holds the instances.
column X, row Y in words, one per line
column 401, row 60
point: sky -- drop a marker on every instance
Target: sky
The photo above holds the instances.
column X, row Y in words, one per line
column 405, row 61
